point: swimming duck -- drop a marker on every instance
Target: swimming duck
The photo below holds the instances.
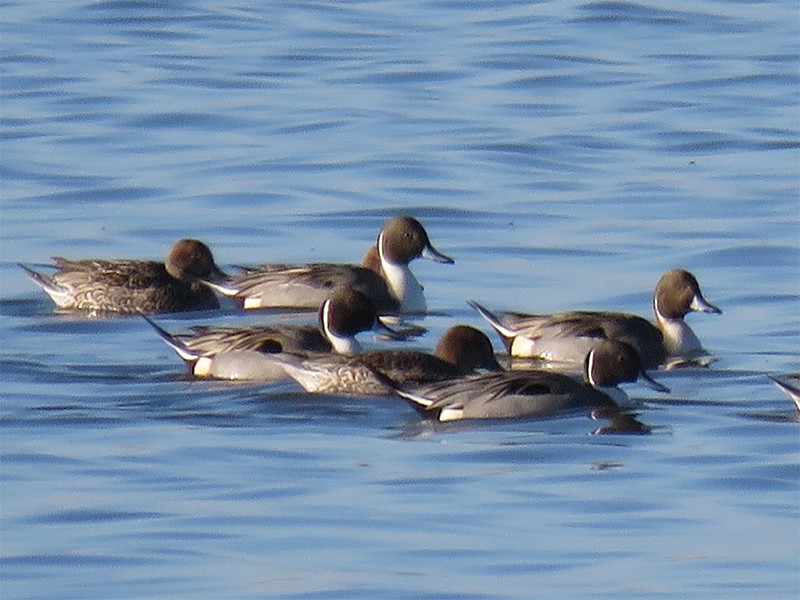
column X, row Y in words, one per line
column 461, row 350
column 391, row 285
column 134, row 286
column 568, row 336
column 529, row 394
column 244, row 352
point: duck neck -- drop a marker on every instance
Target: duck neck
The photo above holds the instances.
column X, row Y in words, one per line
column 342, row 344
column 402, row 284
column 679, row 339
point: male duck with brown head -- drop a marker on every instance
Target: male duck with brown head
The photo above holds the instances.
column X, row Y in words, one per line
column 568, row 336
column 387, row 281
column 134, row 286
column 534, row 394
column 246, row 352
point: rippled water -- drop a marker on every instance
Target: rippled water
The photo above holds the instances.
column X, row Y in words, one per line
column 564, row 153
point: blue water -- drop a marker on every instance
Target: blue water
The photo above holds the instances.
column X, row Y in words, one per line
column 564, row 153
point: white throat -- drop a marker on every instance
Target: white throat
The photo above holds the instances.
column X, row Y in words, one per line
column 342, row 344
column 612, row 391
column 679, row 339
column 402, row 284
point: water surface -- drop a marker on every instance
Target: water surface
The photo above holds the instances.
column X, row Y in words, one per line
column 564, row 153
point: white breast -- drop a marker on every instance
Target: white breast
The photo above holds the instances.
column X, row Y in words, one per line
column 402, row 284
column 679, row 339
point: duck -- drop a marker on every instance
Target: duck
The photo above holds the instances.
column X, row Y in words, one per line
column 534, row 393
column 567, row 337
column 384, row 275
column 789, row 383
column 124, row 286
column 245, row 352
column 461, row 350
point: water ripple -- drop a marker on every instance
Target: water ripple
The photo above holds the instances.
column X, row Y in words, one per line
column 566, row 154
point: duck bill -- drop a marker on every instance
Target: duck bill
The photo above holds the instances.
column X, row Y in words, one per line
column 220, row 285
column 699, row 304
column 403, row 334
column 651, row 383
column 433, row 254
column 382, row 330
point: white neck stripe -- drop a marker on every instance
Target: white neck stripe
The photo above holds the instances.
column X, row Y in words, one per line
column 380, row 249
column 402, row 284
column 346, row 344
column 326, row 307
column 590, row 367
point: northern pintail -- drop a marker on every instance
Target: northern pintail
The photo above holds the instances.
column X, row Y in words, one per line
column 530, row 394
column 789, row 384
column 391, row 286
column 461, row 350
column 245, row 352
column 568, row 336
column 134, row 286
